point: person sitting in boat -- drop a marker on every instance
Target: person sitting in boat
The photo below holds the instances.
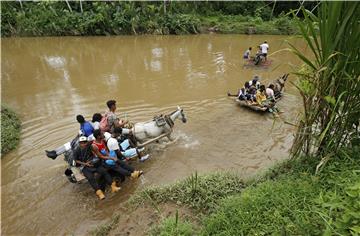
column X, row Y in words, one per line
column 261, row 96
column 86, row 128
column 270, row 100
column 251, row 95
column 126, row 149
column 270, row 92
column 89, row 165
column 242, row 94
column 96, row 119
column 110, row 120
column 110, row 159
column 255, row 82
column 246, row 55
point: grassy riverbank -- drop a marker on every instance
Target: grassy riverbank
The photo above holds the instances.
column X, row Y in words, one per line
column 75, row 18
column 288, row 199
column 10, row 129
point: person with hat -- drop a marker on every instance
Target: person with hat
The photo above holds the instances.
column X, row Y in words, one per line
column 90, row 164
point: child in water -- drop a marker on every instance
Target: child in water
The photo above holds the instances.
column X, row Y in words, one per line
column 247, row 54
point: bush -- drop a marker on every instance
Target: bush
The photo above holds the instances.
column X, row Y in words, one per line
column 284, row 24
column 10, row 130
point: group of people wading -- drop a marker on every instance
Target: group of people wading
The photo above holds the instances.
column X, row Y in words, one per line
column 261, row 54
column 104, row 145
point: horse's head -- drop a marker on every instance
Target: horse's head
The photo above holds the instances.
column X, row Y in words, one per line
column 182, row 115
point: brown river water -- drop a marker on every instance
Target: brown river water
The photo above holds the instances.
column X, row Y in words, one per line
column 48, row 81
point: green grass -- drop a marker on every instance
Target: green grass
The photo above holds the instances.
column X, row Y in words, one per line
column 172, row 226
column 10, row 129
column 290, row 200
column 198, row 192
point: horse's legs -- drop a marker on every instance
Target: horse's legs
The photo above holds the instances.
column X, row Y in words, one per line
column 169, row 137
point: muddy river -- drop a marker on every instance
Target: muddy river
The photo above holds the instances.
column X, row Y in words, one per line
column 48, row 81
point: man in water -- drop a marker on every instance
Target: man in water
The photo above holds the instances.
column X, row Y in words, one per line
column 264, row 49
column 90, row 164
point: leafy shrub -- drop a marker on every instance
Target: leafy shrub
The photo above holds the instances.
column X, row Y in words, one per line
column 10, row 130
column 284, row 24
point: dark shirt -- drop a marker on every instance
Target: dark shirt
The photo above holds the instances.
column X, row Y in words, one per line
column 84, row 154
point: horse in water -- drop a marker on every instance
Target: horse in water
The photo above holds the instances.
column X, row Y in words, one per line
column 159, row 127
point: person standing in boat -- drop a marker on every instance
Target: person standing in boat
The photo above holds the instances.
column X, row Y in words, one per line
column 246, row 55
column 90, row 164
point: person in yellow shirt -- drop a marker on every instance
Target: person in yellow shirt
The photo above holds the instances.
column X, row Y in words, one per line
column 260, row 95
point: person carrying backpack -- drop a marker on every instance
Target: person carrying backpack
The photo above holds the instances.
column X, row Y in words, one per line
column 109, row 121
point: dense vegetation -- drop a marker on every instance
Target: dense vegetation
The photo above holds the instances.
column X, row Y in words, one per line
column 57, row 18
column 10, row 129
column 329, row 81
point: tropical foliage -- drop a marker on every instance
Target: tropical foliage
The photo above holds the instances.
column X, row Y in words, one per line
column 55, row 18
column 329, row 81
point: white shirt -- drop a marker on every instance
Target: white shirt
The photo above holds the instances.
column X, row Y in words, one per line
column 269, row 92
column 264, row 47
column 257, row 85
column 95, row 125
column 112, row 144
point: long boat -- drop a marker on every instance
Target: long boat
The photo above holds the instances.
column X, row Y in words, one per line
column 279, row 83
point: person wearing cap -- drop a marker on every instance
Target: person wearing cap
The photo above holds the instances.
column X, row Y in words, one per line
column 90, row 164
column 110, row 158
column 125, row 149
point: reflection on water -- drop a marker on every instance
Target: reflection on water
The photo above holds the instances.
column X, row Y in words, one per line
column 48, row 81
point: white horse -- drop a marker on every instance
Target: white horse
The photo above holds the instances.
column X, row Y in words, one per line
column 159, row 127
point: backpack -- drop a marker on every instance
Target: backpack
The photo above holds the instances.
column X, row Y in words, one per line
column 104, row 124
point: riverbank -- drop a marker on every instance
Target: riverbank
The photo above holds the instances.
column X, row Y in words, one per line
column 10, row 129
column 133, row 18
column 289, row 199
